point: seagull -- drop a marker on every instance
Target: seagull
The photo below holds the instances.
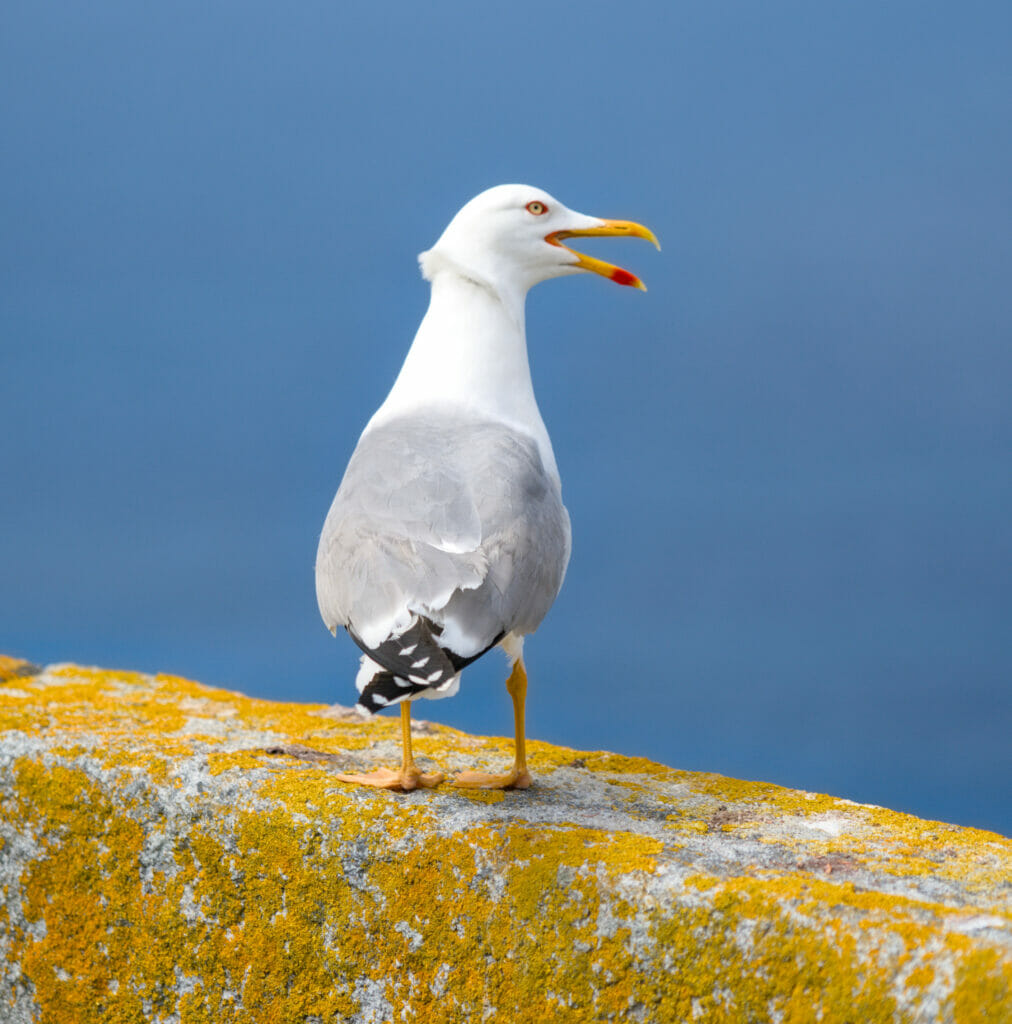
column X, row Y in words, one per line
column 448, row 536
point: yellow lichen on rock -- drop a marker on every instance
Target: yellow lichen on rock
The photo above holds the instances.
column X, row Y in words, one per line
column 173, row 852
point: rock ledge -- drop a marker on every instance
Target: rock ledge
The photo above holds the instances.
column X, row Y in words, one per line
column 175, row 853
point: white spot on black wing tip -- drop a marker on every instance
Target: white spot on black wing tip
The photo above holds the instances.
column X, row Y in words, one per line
column 438, row 674
column 421, row 663
column 367, row 706
column 405, row 651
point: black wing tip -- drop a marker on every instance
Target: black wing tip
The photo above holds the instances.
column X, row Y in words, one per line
column 383, row 691
column 410, row 662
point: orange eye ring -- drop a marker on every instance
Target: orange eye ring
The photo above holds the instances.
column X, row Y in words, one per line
column 537, row 208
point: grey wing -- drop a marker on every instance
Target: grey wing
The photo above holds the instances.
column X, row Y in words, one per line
column 451, row 518
column 526, row 542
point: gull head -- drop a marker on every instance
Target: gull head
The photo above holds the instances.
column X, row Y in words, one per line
column 512, row 236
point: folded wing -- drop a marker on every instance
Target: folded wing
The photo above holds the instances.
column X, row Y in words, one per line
column 446, row 518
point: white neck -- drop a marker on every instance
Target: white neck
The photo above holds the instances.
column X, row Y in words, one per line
column 470, row 352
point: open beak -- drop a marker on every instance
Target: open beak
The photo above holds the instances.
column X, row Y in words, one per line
column 613, row 228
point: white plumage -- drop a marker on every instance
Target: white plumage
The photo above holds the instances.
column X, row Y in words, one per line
column 448, row 534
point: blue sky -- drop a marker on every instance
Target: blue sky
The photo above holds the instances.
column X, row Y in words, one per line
column 788, row 464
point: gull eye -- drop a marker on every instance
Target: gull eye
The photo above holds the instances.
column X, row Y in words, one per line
column 537, row 208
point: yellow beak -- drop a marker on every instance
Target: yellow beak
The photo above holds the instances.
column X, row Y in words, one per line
column 622, row 228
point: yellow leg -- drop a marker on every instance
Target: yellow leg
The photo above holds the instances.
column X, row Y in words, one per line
column 519, row 777
column 409, row 777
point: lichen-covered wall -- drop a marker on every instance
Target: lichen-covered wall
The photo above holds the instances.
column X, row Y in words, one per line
column 176, row 853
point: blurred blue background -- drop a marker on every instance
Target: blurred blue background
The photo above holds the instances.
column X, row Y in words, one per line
column 788, row 465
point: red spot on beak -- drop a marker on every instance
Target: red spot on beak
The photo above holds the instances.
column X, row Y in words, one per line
column 620, row 276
